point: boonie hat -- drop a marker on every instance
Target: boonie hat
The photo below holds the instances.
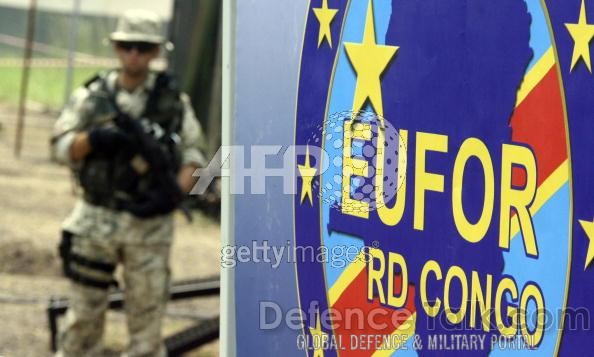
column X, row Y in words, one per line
column 139, row 26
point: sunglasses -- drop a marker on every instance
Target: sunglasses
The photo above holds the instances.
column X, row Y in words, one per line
column 141, row 47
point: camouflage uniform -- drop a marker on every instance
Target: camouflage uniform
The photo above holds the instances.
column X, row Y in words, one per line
column 112, row 237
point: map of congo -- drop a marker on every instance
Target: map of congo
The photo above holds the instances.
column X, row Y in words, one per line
column 447, row 176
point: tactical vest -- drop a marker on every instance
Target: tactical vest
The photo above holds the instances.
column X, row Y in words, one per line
column 109, row 181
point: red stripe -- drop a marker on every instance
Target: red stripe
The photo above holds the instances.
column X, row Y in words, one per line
column 355, row 298
column 539, row 122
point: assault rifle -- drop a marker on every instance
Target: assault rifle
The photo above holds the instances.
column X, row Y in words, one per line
column 153, row 159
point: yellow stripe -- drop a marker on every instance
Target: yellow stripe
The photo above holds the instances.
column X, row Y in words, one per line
column 406, row 330
column 345, row 279
column 546, row 190
column 535, row 75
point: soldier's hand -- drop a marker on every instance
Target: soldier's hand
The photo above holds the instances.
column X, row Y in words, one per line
column 108, row 140
column 148, row 146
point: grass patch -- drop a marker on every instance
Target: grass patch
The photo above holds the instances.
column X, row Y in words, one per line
column 46, row 85
column 8, row 51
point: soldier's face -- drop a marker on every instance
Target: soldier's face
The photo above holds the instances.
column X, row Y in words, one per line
column 135, row 57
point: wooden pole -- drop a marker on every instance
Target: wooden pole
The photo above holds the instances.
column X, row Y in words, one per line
column 25, row 77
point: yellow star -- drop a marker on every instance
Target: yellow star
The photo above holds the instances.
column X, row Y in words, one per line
column 307, row 173
column 369, row 61
column 319, row 337
column 589, row 229
column 582, row 33
column 325, row 17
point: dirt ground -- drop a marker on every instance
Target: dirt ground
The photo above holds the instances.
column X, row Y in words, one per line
column 35, row 196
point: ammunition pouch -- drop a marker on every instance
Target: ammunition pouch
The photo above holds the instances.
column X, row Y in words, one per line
column 69, row 257
column 114, row 182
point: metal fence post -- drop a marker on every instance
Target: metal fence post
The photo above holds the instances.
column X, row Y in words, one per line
column 25, row 77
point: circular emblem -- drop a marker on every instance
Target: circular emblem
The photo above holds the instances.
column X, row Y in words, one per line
column 433, row 202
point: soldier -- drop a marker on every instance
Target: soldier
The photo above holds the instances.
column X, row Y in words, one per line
column 133, row 141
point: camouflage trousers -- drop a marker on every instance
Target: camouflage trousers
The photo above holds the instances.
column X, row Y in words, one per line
column 142, row 248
